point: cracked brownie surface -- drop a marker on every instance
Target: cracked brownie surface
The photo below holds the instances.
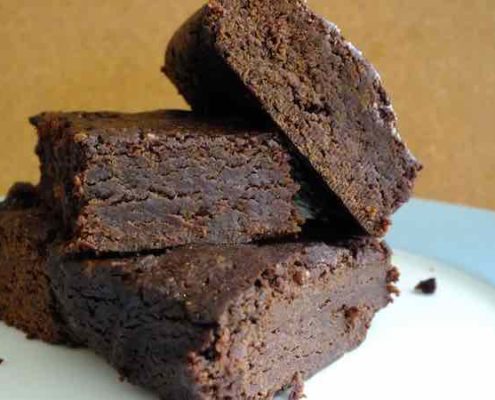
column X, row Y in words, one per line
column 134, row 182
column 279, row 59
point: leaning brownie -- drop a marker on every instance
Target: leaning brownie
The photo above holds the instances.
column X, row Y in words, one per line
column 235, row 322
column 279, row 58
column 26, row 301
column 133, row 182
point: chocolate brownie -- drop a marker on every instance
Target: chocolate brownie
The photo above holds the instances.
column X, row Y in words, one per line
column 232, row 322
column 277, row 58
column 26, row 301
column 134, row 182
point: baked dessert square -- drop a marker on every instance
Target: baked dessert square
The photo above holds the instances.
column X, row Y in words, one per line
column 145, row 181
column 278, row 59
column 226, row 322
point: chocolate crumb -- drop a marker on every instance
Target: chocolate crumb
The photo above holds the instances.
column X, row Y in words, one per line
column 428, row 286
column 392, row 289
column 393, row 275
column 1, row 361
column 351, row 316
column 123, row 373
column 300, row 277
column 297, row 392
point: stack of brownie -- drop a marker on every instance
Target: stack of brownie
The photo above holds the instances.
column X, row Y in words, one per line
column 227, row 252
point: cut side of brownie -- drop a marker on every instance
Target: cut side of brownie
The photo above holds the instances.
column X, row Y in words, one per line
column 145, row 181
column 234, row 322
column 26, row 300
column 278, row 58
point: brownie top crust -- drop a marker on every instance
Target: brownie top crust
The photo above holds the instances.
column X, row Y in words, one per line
column 201, row 281
column 24, row 215
column 173, row 122
column 21, row 196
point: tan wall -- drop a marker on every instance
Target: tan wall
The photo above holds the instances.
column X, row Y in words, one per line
column 437, row 58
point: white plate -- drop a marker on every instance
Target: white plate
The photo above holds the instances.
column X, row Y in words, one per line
column 421, row 347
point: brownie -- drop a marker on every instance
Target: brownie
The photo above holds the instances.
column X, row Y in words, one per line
column 134, row 182
column 225, row 322
column 278, row 59
column 26, row 301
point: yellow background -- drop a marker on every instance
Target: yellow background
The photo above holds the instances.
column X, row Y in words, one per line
column 437, row 58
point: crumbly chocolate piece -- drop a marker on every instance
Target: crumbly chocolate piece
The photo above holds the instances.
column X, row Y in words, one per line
column 428, row 286
column 234, row 322
column 393, row 275
column 134, row 182
column 297, row 391
column 1, row 361
column 279, row 59
column 26, row 301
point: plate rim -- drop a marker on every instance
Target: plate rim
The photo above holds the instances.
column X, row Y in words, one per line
column 460, row 236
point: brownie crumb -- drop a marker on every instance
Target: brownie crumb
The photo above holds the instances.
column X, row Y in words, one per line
column 122, row 376
column 392, row 289
column 393, row 275
column 351, row 316
column 1, row 361
column 297, row 392
column 428, row 286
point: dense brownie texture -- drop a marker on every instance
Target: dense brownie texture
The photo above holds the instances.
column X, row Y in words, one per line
column 133, row 182
column 235, row 322
column 297, row 391
column 26, row 301
column 429, row 286
column 278, row 58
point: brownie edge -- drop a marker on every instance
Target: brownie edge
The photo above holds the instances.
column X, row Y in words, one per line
column 280, row 60
column 26, row 300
